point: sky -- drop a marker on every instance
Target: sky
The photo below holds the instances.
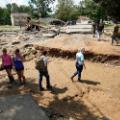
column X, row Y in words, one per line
column 22, row 2
column 19, row 2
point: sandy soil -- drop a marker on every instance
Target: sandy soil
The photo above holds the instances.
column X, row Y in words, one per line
column 76, row 41
column 97, row 96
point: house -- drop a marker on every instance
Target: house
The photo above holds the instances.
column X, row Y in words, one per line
column 83, row 19
column 18, row 19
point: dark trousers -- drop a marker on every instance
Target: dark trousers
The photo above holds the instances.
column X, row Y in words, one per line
column 114, row 38
column 46, row 75
column 79, row 71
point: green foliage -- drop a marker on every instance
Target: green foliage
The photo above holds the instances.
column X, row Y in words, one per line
column 5, row 12
column 112, row 7
column 4, row 16
column 66, row 10
column 40, row 8
column 92, row 10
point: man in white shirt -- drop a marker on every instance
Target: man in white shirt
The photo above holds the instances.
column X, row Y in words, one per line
column 79, row 64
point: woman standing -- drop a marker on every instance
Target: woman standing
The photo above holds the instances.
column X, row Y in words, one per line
column 7, row 64
column 19, row 67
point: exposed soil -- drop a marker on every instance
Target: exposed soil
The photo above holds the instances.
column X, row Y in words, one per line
column 91, row 56
column 95, row 98
column 76, row 41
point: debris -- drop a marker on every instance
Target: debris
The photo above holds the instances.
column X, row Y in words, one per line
column 16, row 42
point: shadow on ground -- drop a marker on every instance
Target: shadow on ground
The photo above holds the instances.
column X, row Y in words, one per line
column 90, row 82
column 13, row 89
column 58, row 108
column 57, row 91
column 68, row 107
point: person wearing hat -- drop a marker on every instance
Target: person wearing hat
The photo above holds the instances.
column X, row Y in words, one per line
column 79, row 64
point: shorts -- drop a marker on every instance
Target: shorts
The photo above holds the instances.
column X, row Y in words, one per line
column 7, row 67
column 19, row 69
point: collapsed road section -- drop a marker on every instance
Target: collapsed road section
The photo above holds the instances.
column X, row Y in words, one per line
column 91, row 56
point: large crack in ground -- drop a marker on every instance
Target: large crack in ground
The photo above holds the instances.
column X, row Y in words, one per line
column 91, row 56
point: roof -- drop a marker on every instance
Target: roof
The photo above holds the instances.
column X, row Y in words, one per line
column 20, row 14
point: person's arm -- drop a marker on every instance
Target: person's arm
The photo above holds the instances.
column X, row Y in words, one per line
column 2, row 59
column 22, row 58
column 0, row 56
column 84, row 65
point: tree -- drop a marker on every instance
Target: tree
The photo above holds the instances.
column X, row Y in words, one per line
column 6, row 11
column 4, row 16
column 112, row 7
column 66, row 10
column 41, row 8
column 92, row 10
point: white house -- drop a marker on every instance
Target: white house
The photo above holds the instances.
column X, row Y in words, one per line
column 18, row 19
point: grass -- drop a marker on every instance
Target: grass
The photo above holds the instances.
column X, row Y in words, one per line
column 7, row 28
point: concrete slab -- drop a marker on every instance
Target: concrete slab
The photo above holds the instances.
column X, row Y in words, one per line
column 20, row 107
column 81, row 28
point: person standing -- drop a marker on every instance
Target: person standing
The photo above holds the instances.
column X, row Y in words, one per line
column 7, row 65
column 94, row 29
column 42, row 67
column 99, row 30
column 19, row 67
column 115, row 34
column 79, row 64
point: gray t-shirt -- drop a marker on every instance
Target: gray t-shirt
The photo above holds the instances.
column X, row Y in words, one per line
column 45, row 59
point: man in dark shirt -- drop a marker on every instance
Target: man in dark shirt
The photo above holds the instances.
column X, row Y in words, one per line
column 115, row 35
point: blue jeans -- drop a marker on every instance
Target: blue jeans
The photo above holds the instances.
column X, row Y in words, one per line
column 79, row 71
column 46, row 75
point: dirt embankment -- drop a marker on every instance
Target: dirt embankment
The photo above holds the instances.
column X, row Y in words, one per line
column 91, row 56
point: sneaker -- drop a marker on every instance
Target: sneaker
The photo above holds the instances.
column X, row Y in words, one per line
column 79, row 80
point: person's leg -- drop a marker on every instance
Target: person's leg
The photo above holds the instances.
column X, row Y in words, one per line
column 79, row 72
column 100, row 34
column 93, row 33
column 40, row 80
column 19, row 77
column 97, row 34
column 10, row 76
column 117, row 40
column 48, row 85
column 112, row 40
column 76, row 73
column 23, row 77
column 79, row 75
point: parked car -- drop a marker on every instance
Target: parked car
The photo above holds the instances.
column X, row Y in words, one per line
column 57, row 22
column 71, row 22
